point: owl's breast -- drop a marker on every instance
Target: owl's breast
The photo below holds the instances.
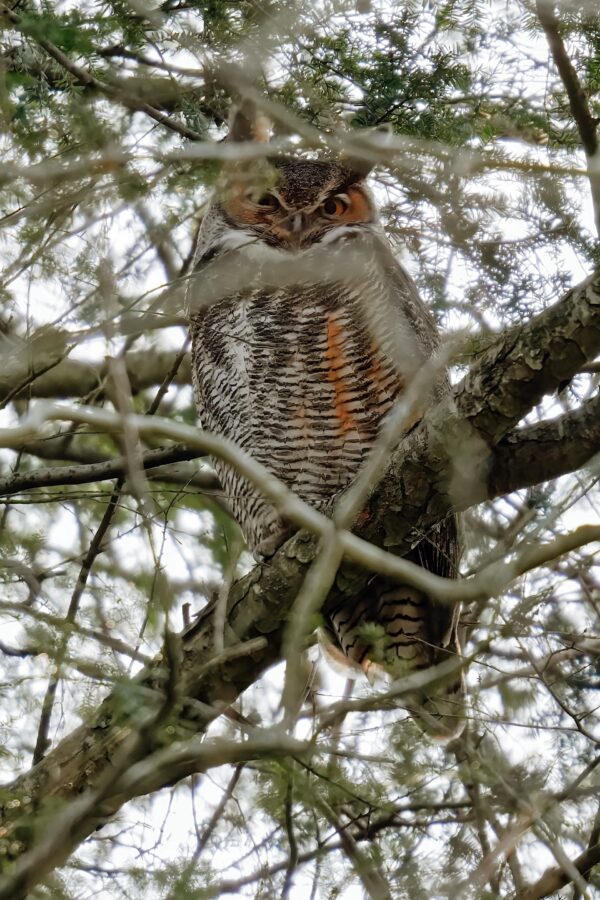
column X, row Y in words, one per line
column 301, row 379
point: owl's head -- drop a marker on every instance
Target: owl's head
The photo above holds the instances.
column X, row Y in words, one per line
column 297, row 204
column 307, row 201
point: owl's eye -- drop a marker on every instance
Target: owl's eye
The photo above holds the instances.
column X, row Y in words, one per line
column 335, row 206
column 267, row 201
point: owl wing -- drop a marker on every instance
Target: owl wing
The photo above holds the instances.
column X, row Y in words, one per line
column 439, row 550
column 405, row 298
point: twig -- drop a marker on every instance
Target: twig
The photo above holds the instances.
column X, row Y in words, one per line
column 578, row 102
column 472, row 788
column 372, row 880
column 215, row 819
column 155, row 462
column 119, row 646
column 94, row 549
column 289, row 827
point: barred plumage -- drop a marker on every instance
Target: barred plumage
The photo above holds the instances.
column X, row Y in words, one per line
column 302, row 374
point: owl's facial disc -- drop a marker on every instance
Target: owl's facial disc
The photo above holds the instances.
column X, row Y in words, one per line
column 290, row 226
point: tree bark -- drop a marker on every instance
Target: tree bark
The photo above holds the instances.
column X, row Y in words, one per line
column 73, row 378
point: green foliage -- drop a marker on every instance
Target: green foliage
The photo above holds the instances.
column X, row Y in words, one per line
column 73, row 32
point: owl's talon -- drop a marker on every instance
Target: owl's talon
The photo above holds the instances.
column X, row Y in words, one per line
column 268, row 547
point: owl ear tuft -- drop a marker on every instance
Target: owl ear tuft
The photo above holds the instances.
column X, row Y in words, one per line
column 358, row 164
column 247, row 123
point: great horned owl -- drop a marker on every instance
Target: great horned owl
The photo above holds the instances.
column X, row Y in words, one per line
column 299, row 361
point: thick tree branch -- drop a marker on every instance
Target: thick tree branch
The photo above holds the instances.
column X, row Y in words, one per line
column 74, row 378
column 423, row 483
column 130, row 773
column 593, row 842
column 545, row 451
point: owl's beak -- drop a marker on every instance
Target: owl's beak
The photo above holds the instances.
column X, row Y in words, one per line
column 293, row 229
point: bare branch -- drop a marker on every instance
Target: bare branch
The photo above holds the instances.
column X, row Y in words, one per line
column 586, row 123
column 554, row 879
column 42, row 741
column 488, row 582
column 372, row 880
column 545, row 451
column 73, row 378
column 593, row 841
column 159, row 465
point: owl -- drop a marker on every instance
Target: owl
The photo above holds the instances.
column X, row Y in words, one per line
column 316, row 332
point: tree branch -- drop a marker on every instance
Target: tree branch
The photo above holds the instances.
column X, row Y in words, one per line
column 445, row 462
column 523, row 458
column 196, row 756
column 578, row 102
column 545, row 451
column 158, row 464
column 74, row 378
column 554, row 879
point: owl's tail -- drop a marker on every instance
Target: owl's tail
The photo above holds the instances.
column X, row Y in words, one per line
column 396, row 631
